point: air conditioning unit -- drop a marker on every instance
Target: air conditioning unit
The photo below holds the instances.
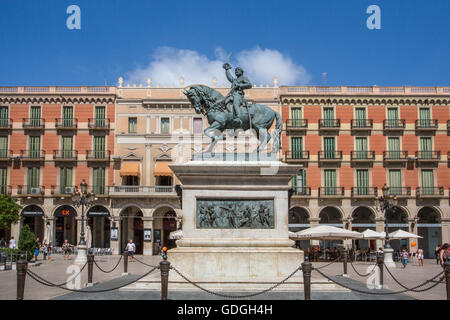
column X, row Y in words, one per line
column 35, row 190
column 69, row 190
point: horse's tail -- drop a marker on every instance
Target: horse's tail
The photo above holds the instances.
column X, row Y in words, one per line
column 278, row 128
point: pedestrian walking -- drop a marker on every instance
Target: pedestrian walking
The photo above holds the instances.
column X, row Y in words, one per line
column 437, row 251
column 67, row 249
column 2, row 243
column 443, row 256
column 405, row 257
column 49, row 251
column 131, row 248
column 420, row 256
column 12, row 243
column 45, row 250
column 37, row 247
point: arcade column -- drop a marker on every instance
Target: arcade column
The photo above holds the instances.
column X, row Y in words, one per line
column 115, row 244
column 148, row 245
column 379, row 227
column 314, row 222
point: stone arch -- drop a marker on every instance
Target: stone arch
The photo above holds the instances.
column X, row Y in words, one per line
column 398, row 214
column 429, row 214
column 331, row 214
column 298, row 215
column 55, row 208
column 364, row 213
column 160, row 205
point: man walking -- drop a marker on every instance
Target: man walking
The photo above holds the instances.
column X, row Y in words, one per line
column 12, row 243
column 131, row 248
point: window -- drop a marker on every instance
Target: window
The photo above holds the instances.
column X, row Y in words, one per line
column 66, row 147
column 66, row 179
column 329, row 181
column 395, row 182
column 427, row 182
column 100, row 113
column 360, row 115
column 99, row 147
column 3, row 180
column 34, row 150
column 296, row 117
column 4, row 116
column 165, row 125
column 361, row 148
column 132, row 125
column 329, row 147
column 35, row 116
column 67, row 120
column 33, row 178
column 394, row 147
column 99, row 180
column 425, row 148
column 392, row 117
column 3, row 147
column 424, row 114
column 299, row 183
column 198, row 125
column 328, row 116
column 296, row 147
column 362, row 181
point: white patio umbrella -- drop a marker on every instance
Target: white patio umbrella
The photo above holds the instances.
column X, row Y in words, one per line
column 401, row 234
column 176, row 235
column 325, row 232
column 373, row 235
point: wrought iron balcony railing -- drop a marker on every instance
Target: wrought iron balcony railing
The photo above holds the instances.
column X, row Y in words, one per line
column 296, row 155
column 331, row 191
column 362, row 155
column 33, row 123
column 429, row 191
column 5, row 154
column 135, row 190
column 65, row 155
column 394, row 124
column 66, row 123
column 301, row 191
column 329, row 124
column 330, row 155
column 395, row 155
column 6, row 123
column 428, row 155
column 63, row 190
column 399, row 191
column 31, row 191
column 96, row 123
column 98, row 155
column 426, row 124
column 99, row 190
column 4, row 189
column 371, row 192
column 32, row 155
column 292, row 124
column 365, row 124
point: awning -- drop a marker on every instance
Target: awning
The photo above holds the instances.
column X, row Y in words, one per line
column 162, row 169
column 130, row 169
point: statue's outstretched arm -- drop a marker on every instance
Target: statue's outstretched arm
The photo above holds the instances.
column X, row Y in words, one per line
column 229, row 76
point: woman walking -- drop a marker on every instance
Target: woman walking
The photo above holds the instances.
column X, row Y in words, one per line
column 420, row 256
column 66, row 249
column 405, row 256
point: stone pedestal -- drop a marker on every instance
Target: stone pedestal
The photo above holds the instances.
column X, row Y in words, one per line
column 231, row 258
column 388, row 260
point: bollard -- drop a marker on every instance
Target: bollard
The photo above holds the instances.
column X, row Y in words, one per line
column 21, row 266
column 345, row 263
column 447, row 277
column 90, row 260
column 306, row 269
column 125, row 263
column 165, row 267
column 380, row 263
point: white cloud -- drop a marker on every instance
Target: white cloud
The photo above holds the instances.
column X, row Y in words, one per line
column 168, row 64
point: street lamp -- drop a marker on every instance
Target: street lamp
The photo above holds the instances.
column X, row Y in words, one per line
column 385, row 204
column 82, row 198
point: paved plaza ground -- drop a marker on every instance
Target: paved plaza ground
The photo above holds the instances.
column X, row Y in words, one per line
column 55, row 271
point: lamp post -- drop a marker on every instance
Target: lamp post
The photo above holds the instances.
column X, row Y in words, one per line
column 386, row 203
column 82, row 198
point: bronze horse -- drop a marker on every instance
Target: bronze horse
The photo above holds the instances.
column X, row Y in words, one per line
column 211, row 103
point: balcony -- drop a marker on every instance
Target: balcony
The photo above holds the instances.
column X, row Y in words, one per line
column 63, row 191
column 5, row 190
column 329, row 125
column 296, row 157
column 361, row 125
column 394, row 125
column 298, row 126
column 400, row 192
column 426, row 125
column 99, row 191
column 364, row 192
column 32, row 156
column 6, row 124
column 398, row 157
column 362, row 156
column 144, row 191
column 331, row 192
column 64, row 124
column 300, row 192
column 31, row 191
column 5, row 155
column 429, row 192
column 428, row 156
column 329, row 156
column 98, row 124
column 33, row 124
column 65, row 155
column 98, row 156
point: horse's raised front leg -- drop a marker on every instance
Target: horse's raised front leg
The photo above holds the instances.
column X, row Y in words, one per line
column 211, row 132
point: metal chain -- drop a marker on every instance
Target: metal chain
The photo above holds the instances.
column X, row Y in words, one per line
column 145, row 264
column 237, row 297
column 120, row 259
column 62, row 284
column 380, row 293
column 36, row 278
column 363, row 275
column 404, row 287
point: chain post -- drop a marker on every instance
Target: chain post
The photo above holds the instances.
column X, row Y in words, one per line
column 165, row 267
column 90, row 260
column 125, row 262
column 345, row 262
column 380, row 263
column 447, row 277
column 306, row 269
column 21, row 266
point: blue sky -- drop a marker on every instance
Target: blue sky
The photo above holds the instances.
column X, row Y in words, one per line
column 124, row 38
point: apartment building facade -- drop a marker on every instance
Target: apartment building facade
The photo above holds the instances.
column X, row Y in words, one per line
column 354, row 140
column 51, row 139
